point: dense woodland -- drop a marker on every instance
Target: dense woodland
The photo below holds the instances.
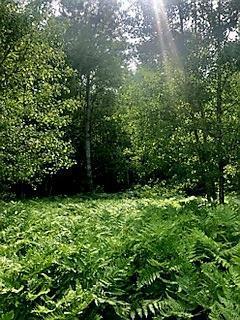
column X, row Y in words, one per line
column 104, row 95
column 119, row 160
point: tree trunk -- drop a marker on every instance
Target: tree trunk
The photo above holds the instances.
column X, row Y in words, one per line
column 221, row 183
column 180, row 11
column 221, row 191
column 219, row 111
column 88, row 111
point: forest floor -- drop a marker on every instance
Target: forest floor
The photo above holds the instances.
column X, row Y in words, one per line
column 119, row 257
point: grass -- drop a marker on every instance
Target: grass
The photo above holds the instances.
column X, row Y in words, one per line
column 129, row 256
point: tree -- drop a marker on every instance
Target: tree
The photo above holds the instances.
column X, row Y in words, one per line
column 212, row 25
column 93, row 43
column 35, row 108
column 194, row 36
column 148, row 107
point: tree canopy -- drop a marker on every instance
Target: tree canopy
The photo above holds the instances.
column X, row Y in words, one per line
column 108, row 94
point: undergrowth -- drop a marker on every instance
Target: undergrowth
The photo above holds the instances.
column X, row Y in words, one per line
column 119, row 258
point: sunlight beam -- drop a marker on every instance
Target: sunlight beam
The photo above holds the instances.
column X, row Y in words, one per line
column 165, row 36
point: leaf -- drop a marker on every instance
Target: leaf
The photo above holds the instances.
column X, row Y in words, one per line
column 8, row 316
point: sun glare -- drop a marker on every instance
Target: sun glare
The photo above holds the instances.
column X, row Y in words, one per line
column 164, row 33
column 168, row 48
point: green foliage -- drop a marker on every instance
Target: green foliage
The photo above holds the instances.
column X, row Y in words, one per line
column 150, row 108
column 94, row 44
column 179, row 107
column 119, row 258
column 175, row 118
column 35, row 105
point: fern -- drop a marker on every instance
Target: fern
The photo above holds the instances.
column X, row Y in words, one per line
column 121, row 258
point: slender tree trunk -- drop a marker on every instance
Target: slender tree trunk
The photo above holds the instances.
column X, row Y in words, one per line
column 221, row 191
column 209, row 185
column 221, row 183
column 219, row 111
column 195, row 17
column 88, row 111
column 181, row 18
